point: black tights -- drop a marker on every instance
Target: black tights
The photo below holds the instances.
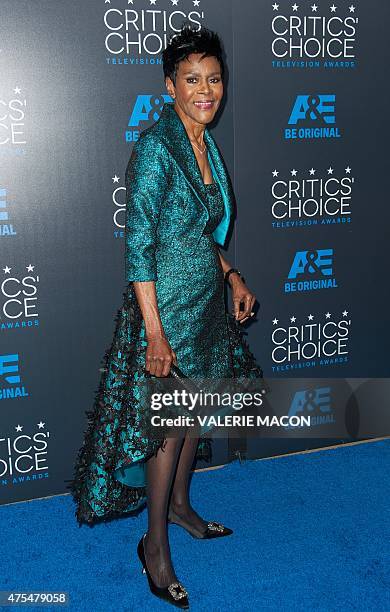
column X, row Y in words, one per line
column 168, row 476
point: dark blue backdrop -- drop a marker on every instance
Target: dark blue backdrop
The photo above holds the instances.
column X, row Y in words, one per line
column 73, row 102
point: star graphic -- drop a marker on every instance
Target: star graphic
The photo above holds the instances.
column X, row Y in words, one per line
column 174, row 2
column 352, row 8
column 275, row 321
column 107, row 1
column 333, row 8
column 348, row 170
column 17, row 90
column 129, row 1
column 293, row 172
column 115, row 179
column 196, row 2
column 19, row 427
column 293, row 319
column 345, row 313
column 275, row 173
column 275, row 7
column 310, row 317
column 7, row 270
column 41, row 425
column 294, row 7
column 330, row 170
column 312, row 171
column 152, row 1
column 30, row 268
column 314, row 8
column 327, row 316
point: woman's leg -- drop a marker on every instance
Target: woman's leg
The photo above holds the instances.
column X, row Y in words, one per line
column 160, row 471
column 180, row 498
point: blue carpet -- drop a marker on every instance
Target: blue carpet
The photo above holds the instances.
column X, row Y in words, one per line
column 311, row 532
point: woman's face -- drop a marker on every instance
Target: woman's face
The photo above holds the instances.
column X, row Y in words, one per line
column 199, row 87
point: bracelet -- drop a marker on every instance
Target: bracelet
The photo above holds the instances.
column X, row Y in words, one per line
column 230, row 271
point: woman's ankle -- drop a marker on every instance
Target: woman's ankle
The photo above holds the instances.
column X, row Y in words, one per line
column 179, row 506
column 155, row 542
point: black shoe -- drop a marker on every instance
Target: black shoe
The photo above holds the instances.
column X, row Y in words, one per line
column 175, row 593
column 213, row 529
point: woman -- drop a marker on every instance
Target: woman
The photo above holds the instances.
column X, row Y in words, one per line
column 179, row 208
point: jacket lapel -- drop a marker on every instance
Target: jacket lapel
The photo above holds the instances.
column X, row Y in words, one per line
column 174, row 135
column 222, row 174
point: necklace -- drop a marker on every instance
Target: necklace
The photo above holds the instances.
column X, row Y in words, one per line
column 200, row 150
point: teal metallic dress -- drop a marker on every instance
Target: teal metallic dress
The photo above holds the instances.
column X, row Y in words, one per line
column 109, row 478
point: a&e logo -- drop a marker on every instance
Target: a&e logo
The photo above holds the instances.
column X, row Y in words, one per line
column 315, row 403
column 316, row 263
column 146, row 108
column 10, row 381
column 315, row 117
column 6, row 228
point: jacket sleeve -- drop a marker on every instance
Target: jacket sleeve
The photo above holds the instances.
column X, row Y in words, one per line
column 146, row 182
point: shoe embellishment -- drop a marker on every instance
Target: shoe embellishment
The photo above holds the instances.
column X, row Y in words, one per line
column 177, row 590
column 213, row 526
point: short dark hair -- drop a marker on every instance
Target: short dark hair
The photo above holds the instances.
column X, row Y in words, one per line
column 190, row 40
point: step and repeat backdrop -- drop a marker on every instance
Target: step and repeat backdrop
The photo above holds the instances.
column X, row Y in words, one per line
column 304, row 133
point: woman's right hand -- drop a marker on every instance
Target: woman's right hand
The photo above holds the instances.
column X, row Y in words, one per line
column 159, row 356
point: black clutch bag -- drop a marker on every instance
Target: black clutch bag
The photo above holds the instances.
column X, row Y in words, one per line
column 182, row 379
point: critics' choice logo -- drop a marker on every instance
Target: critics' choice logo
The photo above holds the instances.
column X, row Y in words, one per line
column 146, row 109
column 310, row 271
column 312, row 116
column 310, row 344
column 19, row 299
column 12, row 122
column 118, row 201
column 11, row 385
column 306, row 198
column 313, row 35
column 136, row 31
column 6, row 227
column 24, row 455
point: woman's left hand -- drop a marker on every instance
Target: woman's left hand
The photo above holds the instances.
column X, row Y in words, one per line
column 241, row 295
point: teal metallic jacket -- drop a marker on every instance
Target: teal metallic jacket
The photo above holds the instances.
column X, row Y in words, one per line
column 165, row 193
